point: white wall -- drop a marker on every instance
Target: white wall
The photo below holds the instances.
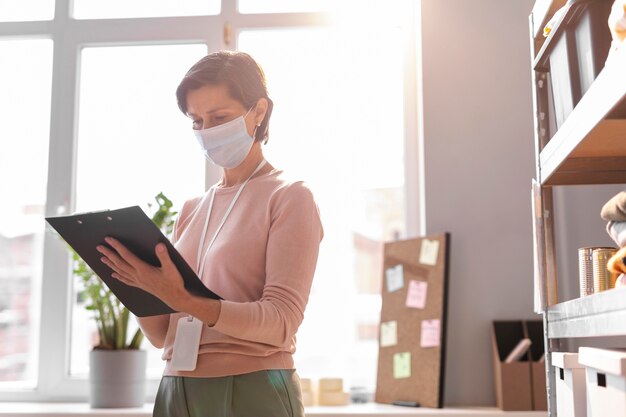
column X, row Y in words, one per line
column 479, row 161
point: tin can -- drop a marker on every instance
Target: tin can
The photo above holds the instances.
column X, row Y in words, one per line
column 601, row 275
column 585, row 271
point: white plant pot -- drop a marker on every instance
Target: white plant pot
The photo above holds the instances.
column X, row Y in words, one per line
column 117, row 378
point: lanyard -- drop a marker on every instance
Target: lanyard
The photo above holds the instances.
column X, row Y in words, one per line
column 201, row 260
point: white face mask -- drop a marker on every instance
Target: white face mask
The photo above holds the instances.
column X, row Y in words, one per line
column 228, row 144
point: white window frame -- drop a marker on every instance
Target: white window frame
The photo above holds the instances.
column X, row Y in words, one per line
column 69, row 36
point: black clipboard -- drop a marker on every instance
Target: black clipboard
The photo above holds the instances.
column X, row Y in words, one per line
column 131, row 226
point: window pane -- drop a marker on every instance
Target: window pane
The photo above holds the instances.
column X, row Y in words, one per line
column 338, row 124
column 108, row 9
column 133, row 142
column 283, row 6
column 26, row 10
column 25, row 109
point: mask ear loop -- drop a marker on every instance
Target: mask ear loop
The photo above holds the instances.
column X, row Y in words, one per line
column 248, row 112
column 266, row 138
column 256, row 128
column 257, row 125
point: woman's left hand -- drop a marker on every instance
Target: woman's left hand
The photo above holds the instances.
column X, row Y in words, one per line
column 165, row 282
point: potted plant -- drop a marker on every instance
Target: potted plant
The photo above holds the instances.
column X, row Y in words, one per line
column 117, row 364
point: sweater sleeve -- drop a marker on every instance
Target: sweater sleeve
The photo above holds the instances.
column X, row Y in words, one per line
column 182, row 218
column 292, row 250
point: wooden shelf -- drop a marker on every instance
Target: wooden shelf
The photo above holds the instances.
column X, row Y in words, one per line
column 602, row 314
column 590, row 146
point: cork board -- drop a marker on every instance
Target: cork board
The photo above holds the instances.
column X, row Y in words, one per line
column 412, row 333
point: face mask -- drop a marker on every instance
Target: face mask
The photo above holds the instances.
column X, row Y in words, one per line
column 228, row 144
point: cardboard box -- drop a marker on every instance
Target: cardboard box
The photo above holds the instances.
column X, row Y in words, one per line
column 571, row 391
column 605, row 372
column 512, row 380
column 539, row 386
column 534, row 331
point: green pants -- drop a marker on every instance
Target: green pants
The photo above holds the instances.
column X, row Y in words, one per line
column 269, row 393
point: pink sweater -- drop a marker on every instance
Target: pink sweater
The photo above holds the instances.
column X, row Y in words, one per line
column 262, row 264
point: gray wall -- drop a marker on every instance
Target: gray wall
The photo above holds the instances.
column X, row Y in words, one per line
column 479, row 161
column 478, row 165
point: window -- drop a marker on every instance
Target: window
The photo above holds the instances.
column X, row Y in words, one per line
column 109, row 9
column 284, row 6
column 133, row 143
column 337, row 73
column 25, row 109
column 26, row 10
column 329, row 84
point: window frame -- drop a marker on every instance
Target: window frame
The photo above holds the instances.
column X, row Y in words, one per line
column 69, row 36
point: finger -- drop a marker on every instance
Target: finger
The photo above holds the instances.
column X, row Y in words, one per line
column 163, row 255
column 124, row 279
column 113, row 260
column 110, row 264
column 124, row 253
column 114, row 267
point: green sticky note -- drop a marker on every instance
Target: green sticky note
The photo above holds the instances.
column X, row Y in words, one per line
column 402, row 365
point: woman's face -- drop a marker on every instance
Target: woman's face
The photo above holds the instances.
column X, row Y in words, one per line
column 212, row 105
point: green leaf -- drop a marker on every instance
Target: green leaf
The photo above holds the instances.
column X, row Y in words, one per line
column 137, row 339
column 110, row 315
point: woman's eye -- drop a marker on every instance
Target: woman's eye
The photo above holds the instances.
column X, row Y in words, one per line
column 219, row 119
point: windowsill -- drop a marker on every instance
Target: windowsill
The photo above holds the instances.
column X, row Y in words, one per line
column 354, row 410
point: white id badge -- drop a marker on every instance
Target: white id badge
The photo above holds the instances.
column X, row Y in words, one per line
column 186, row 344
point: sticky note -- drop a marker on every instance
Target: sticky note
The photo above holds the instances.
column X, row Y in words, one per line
column 402, row 365
column 395, row 278
column 429, row 252
column 431, row 331
column 389, row 333
column 416, row 295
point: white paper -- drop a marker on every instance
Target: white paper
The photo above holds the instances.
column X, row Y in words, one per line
column 431, row 331
column 429, row 252
column 186, row 344
column 395, row 278
column 389, row 333
column 416, row 295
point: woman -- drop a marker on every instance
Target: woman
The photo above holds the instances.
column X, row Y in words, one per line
column 254, row 239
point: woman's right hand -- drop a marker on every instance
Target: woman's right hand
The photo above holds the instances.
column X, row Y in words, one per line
column 164, row 282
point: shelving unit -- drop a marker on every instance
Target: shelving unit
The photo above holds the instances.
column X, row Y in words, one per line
column 588, row 148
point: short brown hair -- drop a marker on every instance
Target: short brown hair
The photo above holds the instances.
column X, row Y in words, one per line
column 241, row 75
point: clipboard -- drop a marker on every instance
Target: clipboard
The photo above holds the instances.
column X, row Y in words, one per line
column 130, row 225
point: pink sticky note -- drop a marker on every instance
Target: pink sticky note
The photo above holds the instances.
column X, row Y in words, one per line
column 430, row 333
column 416, row 295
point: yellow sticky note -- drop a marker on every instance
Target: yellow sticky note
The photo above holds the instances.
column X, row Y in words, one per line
column 389, row 333
column 402, row 365
column 429, row 252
